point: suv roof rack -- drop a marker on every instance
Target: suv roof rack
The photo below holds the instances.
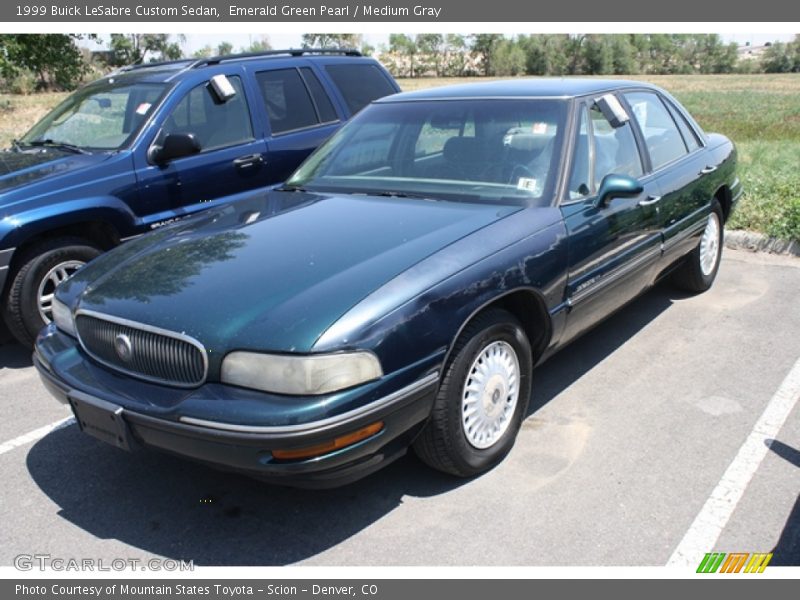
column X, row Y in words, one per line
column 215, row 60
column 189, row 63
column 162, row 63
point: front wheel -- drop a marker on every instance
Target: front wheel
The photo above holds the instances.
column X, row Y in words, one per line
column 483, row 397
column 701, row 265
column 29, row 301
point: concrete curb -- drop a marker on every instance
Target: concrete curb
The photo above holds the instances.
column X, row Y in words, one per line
column 759, row 242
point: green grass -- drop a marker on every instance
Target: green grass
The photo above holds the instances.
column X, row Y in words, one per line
column 760, row 113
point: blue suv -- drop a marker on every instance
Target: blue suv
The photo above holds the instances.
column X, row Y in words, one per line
column 153, row 143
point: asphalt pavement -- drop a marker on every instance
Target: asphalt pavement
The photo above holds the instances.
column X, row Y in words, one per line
column 632, row 432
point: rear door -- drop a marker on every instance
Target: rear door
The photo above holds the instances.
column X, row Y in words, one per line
column 678, row 162
column 613, row 247
column 300, row 116
column 231, row 159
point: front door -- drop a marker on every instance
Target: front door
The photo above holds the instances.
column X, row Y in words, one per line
column 614, row 245
column 231, row 159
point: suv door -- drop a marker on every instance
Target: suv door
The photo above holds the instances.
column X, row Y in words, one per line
column 300, row 113
column 678, row 162
column 613, row 247
column 230, row 160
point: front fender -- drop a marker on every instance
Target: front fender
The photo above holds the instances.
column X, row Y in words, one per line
column 18, row 228
column 450, row 289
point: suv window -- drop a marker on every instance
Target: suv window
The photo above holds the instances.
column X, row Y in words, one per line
column 325, row 109
column 359, row 84
column 287, row 99
column 214, row 124
column 601, row 149
column 661, row 134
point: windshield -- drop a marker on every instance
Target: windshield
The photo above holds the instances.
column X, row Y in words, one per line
column 474, row 150
column 103, row 116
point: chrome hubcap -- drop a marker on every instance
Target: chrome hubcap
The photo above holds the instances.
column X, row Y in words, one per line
column 490, row 395
column 709, row 245
column 47, row 287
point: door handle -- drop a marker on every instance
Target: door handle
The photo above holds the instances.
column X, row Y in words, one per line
column 707, row 170
column 649, row 201
column 250, row 160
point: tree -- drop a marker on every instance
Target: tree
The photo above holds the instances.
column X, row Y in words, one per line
column 203, row 52
column 598, row 55
column 455, row 55
column 260, row 44
column 333, row 40
column 404, row 47
column 508, row 59
column 54, row 59
column 134, row 48
column 224, row 48
column 485, row 44
column 432, row 46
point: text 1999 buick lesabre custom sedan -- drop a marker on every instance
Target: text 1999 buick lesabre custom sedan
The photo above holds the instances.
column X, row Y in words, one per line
column 399, row 288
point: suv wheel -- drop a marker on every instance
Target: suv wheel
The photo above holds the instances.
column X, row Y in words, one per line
column 29, row 301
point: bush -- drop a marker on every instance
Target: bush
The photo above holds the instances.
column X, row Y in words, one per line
column 23, row 83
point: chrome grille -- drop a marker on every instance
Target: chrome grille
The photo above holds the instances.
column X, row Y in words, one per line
column 143, row 351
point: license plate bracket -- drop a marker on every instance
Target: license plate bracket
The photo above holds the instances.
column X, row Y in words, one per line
column 102, row 420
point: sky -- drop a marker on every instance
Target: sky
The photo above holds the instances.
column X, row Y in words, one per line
column 195, row 41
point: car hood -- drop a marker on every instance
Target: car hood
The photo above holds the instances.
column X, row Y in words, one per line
column 275, row 271
column 30, row 166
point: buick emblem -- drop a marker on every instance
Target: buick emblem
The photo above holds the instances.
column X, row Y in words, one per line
column 123, row 348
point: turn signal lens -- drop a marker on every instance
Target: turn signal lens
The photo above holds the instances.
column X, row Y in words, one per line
column 325, row 447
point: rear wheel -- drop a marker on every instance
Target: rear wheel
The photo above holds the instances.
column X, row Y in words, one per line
column 701, row 265
column 29, row 302
column 483, row 397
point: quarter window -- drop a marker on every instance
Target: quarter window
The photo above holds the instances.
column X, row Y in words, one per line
column 359, row 84
column 688, row 133
column 214, row 124
column 662, row 137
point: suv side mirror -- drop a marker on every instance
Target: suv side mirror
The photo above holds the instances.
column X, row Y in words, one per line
column 176, row 145
column 618, row 186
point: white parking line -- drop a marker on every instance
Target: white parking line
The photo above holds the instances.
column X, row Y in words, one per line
column 712, row 518
column 34, row 435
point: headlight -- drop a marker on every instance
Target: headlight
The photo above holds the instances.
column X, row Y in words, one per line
column 62, row 317
column 300, row 375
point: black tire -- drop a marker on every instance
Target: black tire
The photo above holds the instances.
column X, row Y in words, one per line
column 443, row 444
column 689, row 276
column 21, row 306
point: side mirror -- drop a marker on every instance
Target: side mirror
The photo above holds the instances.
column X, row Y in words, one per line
column 617, row 186
column 176, row 145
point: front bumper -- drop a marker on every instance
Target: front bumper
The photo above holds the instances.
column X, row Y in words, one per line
column 240, row 447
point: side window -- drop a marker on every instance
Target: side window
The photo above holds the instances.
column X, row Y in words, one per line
column 615, row 149
column 359, row 84
column 287, row 100
column 327, row 114
column 214, row 124
column 688, row 133
column 661, row 134
column 600, row 150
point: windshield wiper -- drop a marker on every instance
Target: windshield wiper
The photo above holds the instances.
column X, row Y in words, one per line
column 291, row 188
column 396, row 194
column 55, row 144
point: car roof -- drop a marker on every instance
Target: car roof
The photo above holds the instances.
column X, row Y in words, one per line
column 160, row 72
column 540, row 87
